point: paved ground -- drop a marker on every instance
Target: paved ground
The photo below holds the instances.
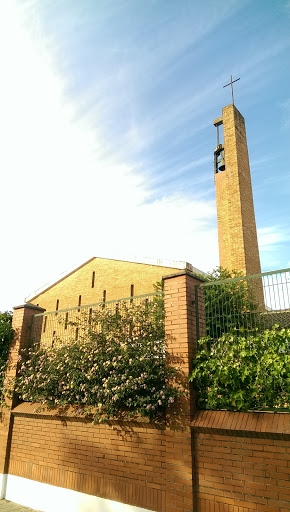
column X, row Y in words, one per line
column 8, row 506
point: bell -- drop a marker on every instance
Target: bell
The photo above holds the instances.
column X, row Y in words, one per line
column 222, row 164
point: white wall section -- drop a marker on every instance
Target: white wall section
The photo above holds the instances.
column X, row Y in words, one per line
column 49, row 498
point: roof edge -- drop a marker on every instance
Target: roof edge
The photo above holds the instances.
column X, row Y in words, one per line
column 60, row 278
column 158, row 262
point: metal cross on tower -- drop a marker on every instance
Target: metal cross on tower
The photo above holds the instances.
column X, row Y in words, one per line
column 231, row 84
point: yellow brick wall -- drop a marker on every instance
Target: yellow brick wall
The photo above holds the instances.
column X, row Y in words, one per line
column 114, row 276
column 238, row 244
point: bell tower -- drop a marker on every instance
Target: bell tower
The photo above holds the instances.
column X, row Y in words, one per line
column 237, row 234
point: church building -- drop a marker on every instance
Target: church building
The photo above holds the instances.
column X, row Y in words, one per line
column 102, row 279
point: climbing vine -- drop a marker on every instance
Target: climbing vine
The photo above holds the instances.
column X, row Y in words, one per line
column 242, row 373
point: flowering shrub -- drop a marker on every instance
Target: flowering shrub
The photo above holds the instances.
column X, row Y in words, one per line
column 242, row 373
column 116, row 367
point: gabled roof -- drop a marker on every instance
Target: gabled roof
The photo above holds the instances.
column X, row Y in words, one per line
column 159, row 262
column 60, row 278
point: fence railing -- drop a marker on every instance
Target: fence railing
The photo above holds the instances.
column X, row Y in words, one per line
column 66, row 325
column 244, row 304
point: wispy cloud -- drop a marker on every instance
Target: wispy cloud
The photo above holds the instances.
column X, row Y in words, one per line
column 137, row 64
column 110, row 106
column 272, row 239
column 270, row 236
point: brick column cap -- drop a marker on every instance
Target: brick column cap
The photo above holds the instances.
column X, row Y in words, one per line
column 28, row 305
column 184, row 273
column 233, row 107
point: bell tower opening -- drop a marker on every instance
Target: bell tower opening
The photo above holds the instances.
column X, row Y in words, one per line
column 219, row 152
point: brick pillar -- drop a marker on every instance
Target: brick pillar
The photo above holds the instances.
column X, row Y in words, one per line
column 180, row 332
column 21, row 323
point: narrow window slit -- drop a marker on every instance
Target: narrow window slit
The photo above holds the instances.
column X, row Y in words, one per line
column 66, row 320
column 131, row 293
column 104, row 297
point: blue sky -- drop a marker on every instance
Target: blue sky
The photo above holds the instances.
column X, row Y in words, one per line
column 106, row 111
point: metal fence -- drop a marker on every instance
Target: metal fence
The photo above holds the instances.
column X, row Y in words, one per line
column 69, row 324
column 243, row 304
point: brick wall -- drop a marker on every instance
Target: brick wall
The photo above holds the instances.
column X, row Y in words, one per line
column 229, row 462
column 121, row 462
column 242, row 461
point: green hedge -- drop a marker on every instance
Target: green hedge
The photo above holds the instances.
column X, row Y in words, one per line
column 243, row 373
column 6, row 334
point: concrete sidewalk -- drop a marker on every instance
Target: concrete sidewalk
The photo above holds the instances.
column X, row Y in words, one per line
column 8, row 506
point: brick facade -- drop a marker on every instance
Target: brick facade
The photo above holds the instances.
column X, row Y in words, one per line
column 238, row 244
column 115, row 277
